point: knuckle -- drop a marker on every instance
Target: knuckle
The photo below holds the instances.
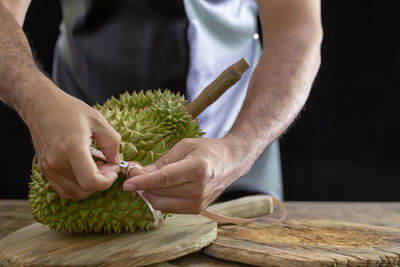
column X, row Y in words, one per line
column 197, row 208
column 98, row 120
column 203, row 194
column 101, row 184
column 53, row 162
column 114, row 143
column 114, row 138
column 94, row 184
column 64, row 147
column 61, row 144
column 164, row 160
column 199, row 194
column 87, row 186
column 42, row 166
column 63, row 194
column 203, row 170
column 59, row 190
column 80, row 194
column 186, row 141
column 117, row 138
column 164, row 179
column 97, row 117
column 195, row 193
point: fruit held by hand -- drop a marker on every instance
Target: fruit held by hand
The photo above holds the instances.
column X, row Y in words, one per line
column 149, row 125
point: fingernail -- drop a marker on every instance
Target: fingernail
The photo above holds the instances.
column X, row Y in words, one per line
column 129, row 187
column 151, row 168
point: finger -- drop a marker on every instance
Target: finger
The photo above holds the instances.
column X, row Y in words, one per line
column 57, row 164
column 108, row 139
column 175, row 154
column 171, row 204
column 70, row 187
column 170, row 175
column 52, row 174
column 60, row 191
column 85, row 170
column 52, row 180
column 136, row 170
column 107, row 168
column 188, row 190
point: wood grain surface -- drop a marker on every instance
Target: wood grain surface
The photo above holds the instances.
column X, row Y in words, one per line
column 308, row 243
column 37, row 245
column 376, row 213
column 15, row 214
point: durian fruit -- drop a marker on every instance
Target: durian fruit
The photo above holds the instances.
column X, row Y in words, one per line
column 149, row 125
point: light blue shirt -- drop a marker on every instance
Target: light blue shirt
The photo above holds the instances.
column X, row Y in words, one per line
column 221, row 32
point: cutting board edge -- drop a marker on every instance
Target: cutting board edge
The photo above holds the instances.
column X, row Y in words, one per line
column 222, row 250
column 156, row 257
column 125, row 262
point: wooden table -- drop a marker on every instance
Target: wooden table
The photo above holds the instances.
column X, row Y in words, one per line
column 15, row 214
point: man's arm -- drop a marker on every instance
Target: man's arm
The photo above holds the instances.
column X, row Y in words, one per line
column 281, row 82
column 62, row 127
column 17, row 8
column 195, row 171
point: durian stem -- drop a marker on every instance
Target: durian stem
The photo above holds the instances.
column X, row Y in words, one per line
column 214, row 90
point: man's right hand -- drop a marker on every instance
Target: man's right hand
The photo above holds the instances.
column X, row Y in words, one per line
column 62, row 129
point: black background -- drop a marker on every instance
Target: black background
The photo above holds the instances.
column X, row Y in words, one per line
column 345, row 144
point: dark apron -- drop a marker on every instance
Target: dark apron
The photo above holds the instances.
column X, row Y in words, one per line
column 108, row 47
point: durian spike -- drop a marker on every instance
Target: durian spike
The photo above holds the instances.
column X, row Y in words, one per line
column 214, row 90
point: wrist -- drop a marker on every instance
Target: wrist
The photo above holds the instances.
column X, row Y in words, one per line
column 235, row 144
column 240, row 151
column 244, row 149
column 35, row 93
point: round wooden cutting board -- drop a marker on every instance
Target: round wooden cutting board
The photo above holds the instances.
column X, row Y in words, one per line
column 37, row 245
column 308, row 243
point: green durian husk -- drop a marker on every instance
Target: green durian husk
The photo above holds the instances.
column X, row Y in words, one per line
column 149, row 124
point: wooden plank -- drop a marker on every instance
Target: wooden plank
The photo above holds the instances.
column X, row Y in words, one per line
column 308, row 243
column 37, row 245
column 201, row 260
column 376, row 213
column 15, row 214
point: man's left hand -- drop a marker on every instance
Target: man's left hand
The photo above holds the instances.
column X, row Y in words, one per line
column 189, row 176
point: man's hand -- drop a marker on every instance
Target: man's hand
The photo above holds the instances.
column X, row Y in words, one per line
column 190, row 176
column 195, row 171
column 62, row 128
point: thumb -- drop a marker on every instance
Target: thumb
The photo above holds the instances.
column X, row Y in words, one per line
column 109, row 141
column 176, row 153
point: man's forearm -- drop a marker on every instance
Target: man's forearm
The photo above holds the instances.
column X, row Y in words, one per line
column 277, row 91
column 19, row 75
